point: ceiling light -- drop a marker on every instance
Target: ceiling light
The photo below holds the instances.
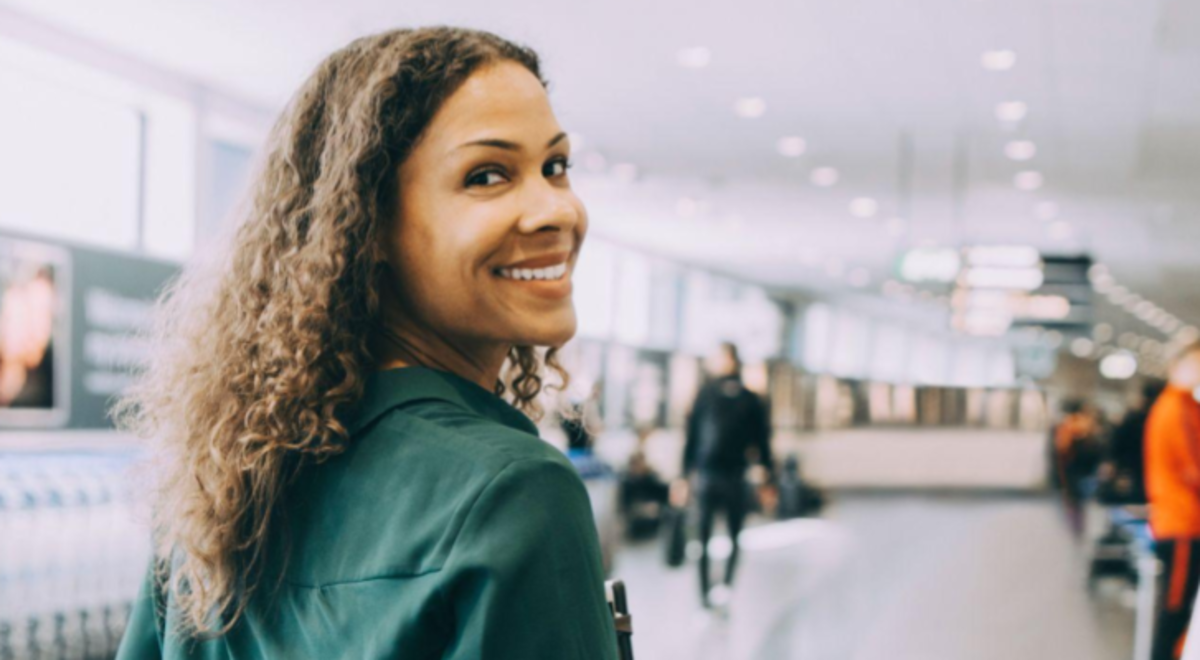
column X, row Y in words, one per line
column 1045, row 211
column 824, row 177
column 694, row 58
column 751, row 107
column 1102, row 332
column 1011, row 112
column 1020, row 150
column 1009, row 256
column 1044, row 307
column 1028, row 180
column 1026, row 279
column 864, row 207
column 1082, row 347
column 1059, row 231
column 998, row 60
column 792, row 146
column 1118, row 366
column 930, row 265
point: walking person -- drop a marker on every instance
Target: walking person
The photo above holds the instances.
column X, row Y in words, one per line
column 727, row 421
column 1173, row 490
column 345, row 399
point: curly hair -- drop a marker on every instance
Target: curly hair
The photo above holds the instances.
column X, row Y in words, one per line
column 256, row 350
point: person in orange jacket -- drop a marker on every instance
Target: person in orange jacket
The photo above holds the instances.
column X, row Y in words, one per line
column 1173, row 489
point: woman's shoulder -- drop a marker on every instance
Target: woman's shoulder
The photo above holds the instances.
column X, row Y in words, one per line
column 443, row 431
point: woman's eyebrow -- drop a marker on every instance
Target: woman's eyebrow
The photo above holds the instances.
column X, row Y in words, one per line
column 506, row 144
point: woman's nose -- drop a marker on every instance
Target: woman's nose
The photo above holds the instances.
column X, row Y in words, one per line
column 549, row 207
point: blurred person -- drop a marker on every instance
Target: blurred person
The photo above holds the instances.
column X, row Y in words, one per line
column 1075, row 449
column 341, row 476
column 1173, row 490
column 1124, row 468
column 643, row 492
column 726, row 421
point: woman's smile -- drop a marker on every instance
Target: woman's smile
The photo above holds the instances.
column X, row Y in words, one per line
column 548, row 276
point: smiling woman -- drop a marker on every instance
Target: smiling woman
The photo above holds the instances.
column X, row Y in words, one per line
column 340, row 475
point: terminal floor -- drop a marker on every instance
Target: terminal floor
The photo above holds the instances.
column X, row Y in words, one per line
column 901, row 577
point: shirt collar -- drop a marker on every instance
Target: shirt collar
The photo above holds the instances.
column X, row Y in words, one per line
column 392, row 388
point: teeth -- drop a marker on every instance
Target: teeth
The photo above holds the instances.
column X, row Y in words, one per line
column 551, row 273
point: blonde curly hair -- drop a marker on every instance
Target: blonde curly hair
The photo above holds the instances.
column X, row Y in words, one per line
column 257, row 350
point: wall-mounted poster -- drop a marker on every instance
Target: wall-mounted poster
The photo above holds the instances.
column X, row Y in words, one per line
column 35, row 326
column 71, row 319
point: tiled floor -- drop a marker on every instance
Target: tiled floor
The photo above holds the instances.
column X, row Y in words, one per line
column 894, row 577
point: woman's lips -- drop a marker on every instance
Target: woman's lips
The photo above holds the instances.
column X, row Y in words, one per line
column 553, row 281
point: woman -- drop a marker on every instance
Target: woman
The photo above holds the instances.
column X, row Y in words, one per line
column 342, row 478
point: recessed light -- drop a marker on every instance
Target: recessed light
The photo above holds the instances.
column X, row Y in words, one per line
column 1082, row 347
column 751, row 107
column 1028, row 180
column 694, row 58
column 824, row 177
column 1118, row 366
column 792, row 146
column 1020, row 150
column 1011, row 112
column 998, row 60
column 864, row 207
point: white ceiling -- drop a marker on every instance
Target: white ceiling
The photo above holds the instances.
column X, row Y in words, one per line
column 1112, row 86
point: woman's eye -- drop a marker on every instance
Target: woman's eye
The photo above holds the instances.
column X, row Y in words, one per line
column 485, row 178
column 557, row 167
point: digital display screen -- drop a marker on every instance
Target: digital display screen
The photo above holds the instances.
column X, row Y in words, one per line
column 34, row 303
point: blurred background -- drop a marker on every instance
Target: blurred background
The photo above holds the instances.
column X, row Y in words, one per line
column 930, row 227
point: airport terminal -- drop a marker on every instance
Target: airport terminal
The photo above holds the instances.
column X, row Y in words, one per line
column 884, row 338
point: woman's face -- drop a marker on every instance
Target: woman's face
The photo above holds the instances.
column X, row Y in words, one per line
column 488, row 229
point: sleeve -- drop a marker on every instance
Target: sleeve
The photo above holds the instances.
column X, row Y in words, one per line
column 762, row 435
column 143, row 634
column 524, row 579
column 691, row 434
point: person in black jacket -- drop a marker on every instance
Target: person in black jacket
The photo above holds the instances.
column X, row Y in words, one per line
column 1125, row 467
column 726, row 420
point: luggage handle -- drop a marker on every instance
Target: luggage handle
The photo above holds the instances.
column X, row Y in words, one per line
column 614, row 591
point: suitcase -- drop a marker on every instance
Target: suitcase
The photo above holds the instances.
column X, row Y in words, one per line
column 674, row 536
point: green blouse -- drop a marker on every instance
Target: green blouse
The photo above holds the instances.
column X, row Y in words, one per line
column 447, row 529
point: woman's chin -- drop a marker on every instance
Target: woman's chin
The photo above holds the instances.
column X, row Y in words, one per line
column 552, row 332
